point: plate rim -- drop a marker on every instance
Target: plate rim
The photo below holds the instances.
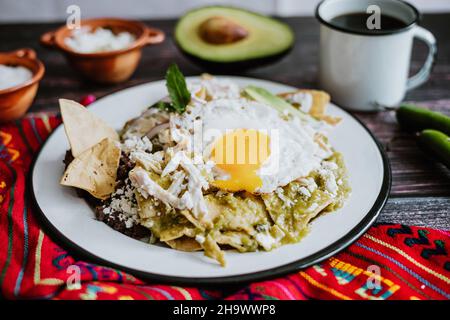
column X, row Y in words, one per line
column 343, row 242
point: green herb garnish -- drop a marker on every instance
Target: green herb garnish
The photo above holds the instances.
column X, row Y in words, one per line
column 178, row 91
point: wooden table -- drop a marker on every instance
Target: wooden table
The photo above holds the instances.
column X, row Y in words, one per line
column 421, row 187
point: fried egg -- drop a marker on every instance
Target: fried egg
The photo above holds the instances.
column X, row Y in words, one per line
column 249, row 145
column 240, row 154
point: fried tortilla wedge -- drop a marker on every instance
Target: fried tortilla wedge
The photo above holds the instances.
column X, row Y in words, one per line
column 95, row 170
column 213, row 250
column 184, row 244
column 320, row 100
column 83, row 129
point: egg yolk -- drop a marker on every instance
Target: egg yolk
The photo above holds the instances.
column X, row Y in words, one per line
column 239, row 154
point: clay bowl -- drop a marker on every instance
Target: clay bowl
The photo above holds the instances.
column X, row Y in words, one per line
column 109, row 66
column 15, row 101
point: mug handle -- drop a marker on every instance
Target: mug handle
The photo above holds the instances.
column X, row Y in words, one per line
column 424, row 73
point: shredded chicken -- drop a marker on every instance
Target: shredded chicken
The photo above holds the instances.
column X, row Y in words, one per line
column 191, row 199
column 177, row 183
column 172, row 165
column 147, row 187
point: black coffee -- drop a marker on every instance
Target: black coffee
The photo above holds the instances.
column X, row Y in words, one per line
column 358, row 22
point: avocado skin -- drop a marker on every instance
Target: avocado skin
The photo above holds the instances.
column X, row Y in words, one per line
column 234, row 67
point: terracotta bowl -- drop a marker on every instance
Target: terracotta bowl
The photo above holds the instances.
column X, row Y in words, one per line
column 15, row 101
column 110, row 66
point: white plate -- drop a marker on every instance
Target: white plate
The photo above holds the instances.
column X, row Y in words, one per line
column 73, row 221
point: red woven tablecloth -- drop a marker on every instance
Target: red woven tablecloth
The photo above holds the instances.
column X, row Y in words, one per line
column 412, row 262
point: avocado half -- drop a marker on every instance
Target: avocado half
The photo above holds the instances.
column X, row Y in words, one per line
column 228, row 39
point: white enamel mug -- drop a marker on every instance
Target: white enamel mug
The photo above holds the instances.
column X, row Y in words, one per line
column 367, row 71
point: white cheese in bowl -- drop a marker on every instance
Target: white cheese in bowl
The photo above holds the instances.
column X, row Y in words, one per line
column 101, row 40
column 12, row 76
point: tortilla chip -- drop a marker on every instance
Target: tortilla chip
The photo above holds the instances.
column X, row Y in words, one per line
column 331, row 120
column 239, row 240
column 83, row 129
column 320, row 102
column 184, row 244
column 175, row 232
column 197, row 223
column 319, row 106
column 95, row 170
column 213, row 250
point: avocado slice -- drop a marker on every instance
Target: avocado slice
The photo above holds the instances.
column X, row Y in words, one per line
column 228, row 38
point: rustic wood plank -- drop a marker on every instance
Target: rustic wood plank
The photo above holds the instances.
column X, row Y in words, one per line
column 424, row 212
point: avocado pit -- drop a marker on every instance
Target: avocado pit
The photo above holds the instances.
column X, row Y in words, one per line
column 220, row 30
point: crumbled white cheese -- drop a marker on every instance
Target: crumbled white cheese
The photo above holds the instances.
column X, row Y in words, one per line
column 329, row 179
column 122, row 200
column 330, row 165
column 146, row 123
column 286, row 201
column 266, row 240
column 304, row 191
column 13, row 76
column 85, row 40
column 135, row 143
column 309, row 183
column 128, row 222
column 200, row 238
column 330, row 184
